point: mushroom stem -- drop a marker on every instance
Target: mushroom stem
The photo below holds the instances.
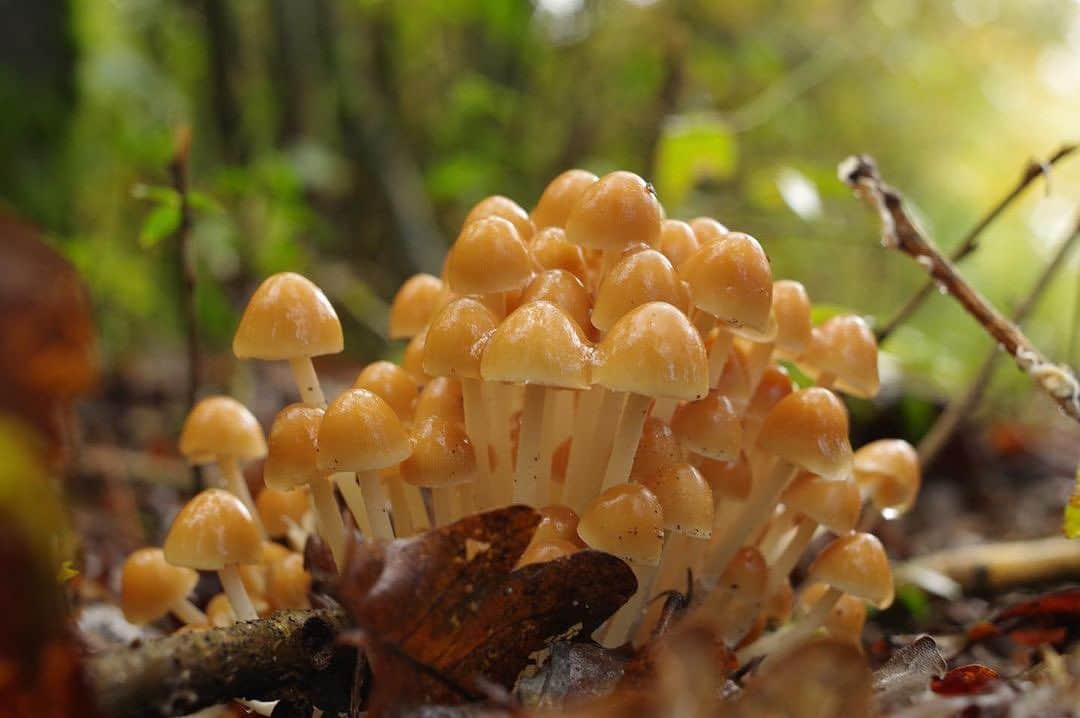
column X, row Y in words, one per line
column 476, row 426
column 576, row 488
column 462, row 500
column 757, row 360
column 664, row 408
column 417, row 508
column 794, row 549
column 328, row 518
column 718, row 356
column 238, row 596
column 296, row 535
column 377, row 504
column 605, row 420
column 399, row 508
column 307, row 381
column 526, row 474
column 499, row 404
column 619, row 627
column 237, row 486
column 442, row 502
column 869, row 519
column 187, row 612
column 626, row 440
column 548, row 490
column 778, row 529
column 354, row 500
column 794, row 634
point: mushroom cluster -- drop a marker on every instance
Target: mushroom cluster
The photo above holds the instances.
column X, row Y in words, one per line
column 625, row 373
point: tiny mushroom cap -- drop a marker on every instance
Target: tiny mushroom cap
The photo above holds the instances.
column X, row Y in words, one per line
column 417, row 299
column 287, row 583
column 221, row 426
column 729, row 480
column 685, row 498
column 499, row 206
column 677, row 241
column 748, row 572
column 360, row 432
column 150, row 585
column 563, row 289
column 559, row 198
column 440, row 397
column 488, row 257
column 457, row 337
column 709, row 427
column 392, row 384
column 732, row 280
column 888, row 470
column 287, row 317
column 809, row 428
column 791, row 306
column 626, row 521
column 442, row 454
column 556, row 521
column 638, row 278
column 412, row 360
column 292, row 459
column 708, row 230
column 551, row 250
column 775, row 383
column 618, row 210
column 657, row 448
column 213, row 530
column 654, row 351
column 546, row 550
column 278, row 508
column 845, row 620
column 833, row 504
column 856, row 564
column 844, row 347
column 538, row 344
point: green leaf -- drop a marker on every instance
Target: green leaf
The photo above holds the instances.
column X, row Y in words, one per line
column 159, row 224
column 692, row 148
column 158, row 194
column 204, row 203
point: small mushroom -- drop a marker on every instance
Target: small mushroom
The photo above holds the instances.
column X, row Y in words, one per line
column 677, row 241
column 546, row 550
column 416, row 301
column 559, row 197
column 550, row 249
column 150, row 587
column 887, row 471
column 499, row 206
column 283, row 513
column 442, row 459
column 843, row 353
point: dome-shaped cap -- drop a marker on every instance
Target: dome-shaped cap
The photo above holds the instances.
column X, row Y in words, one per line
column 287, row 317
column 288, row 583
column 499, row 206
column 360, row 432
column 638, row 278
column 412, row 359
column 212, row 531
column 888, row 470
column 677, row 241
column 809, row 428
column 708, row 230
column 558, row 522
column 440, row 397
column 685, row 498
column 277, row 508
column 747, row 573
column 551, row 250
column 732, row 280
column 418, row 298
column 559, row 198
column 547, row 550
column 791, row 307
column 844, row 347
column 655, row 351
column 220, row 426
column 845, row 620
column 833, row 504
column 626, row 521
column 775, row 383
column 616, row 211
column 441, row 454
column 150, row 585
column 657, row 448
column 488, row 257
column 457, row 338
column 709, row 427
column 562, row 289
column 729, row 480
column 856, row 564
column 292, row 459
column 392, row 384
column 538, row 344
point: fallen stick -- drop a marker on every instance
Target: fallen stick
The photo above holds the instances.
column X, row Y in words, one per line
column 999, row 565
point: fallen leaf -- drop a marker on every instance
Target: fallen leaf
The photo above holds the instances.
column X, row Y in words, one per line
column 574, row 671
column 965, row 680
column 1053, row 618
column 908, row 672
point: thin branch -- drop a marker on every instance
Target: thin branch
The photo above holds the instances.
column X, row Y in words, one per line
column 969, row 243
column 999, row 565
column 900, row 232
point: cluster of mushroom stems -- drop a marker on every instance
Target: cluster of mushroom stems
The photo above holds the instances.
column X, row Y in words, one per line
column 625, row 373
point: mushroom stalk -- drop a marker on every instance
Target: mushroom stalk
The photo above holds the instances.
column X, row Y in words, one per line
column 476, row 426
column 399, row 508
column 575, row 495
column 499, row 404
column 328, row 518
column 237, row 485
column 619, row 627
column 794, row 634
column 600, row 446
column 307, row 381
column 187, row 612
column 354, row 500
column 417, row 508
column 794, row 549
column 757, row 360
column 626, row 440
column 526, row 474
column 718, row 356
column 442, row 503
column 554, row 410
column 664, row 408
column 238, row 596
column 377, row 504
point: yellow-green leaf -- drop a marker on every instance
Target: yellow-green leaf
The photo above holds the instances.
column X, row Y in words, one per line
column 692, row 148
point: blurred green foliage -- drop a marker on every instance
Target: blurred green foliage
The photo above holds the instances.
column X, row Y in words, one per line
column 347, row 139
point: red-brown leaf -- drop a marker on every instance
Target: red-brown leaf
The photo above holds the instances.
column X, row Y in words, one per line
column 965, row 680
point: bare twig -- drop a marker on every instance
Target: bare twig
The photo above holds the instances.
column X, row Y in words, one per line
column 962, row 406
column 968, row 244
column 900, row 232
column 997, row 565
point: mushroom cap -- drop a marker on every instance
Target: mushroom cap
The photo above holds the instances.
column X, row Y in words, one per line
column 833, row 504
column 809, row 428
column 653, row 350
column 708, row 230
column 546, row 550
column 845, row 347
column 791, row 306
column 563, row 289
column 277, row 508
column 551, row 250
column 559, row 198
column 558, row 522
column 392, row 384
column 440, row 397
column 287, row 317
column 856, row 564
column 747, row 573
column 657, row 448
column 150, row 585
column 418, row 298
column 213, row 530
column 457, row 337
column 292, row 459
column 775, row 383
column 709, row 427
column 488, row 257
column 845, row 620
column 442, row 454
column 614, row 212
column 499, row 206
column 626, row 521
column 412, row 359
column 538, row 344
column 729, row 480
column 360, row 432
column 677, row 241
column 288, row 583
column 685, row 498
column 888, row 470
column 638, row 278
column 218, row 427
column 732, row 280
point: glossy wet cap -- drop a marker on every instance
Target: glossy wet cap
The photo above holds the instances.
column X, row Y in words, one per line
column 856, row 564
column 708, row 230
column 551, row 250
column 845, row 347
column 638, row 278
column 418, row 298
column 488, row 257
column 809, row 428
column 538, row 344
column 562, row 289
column 729, row 480
column 292, row 459
column 888, row 471
column 213, row 530
column 709, row 426
column 440, row 397
column 791, row 307
column 218, row 427
column 499, row 206
column 287, row 317
column 677, row 241
column 278, row 508
column 833, row 504
column 657, row 448
column 626, row 521
column 655, row 351
column 442, row 454
column 457, row 338
column 392, row 384
column 546, row 550
column 559, row 197
column 360, row 432
column 685, row 498
column 618, row 210
column 556, row 522
column 150, row 585
column 732, row 280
